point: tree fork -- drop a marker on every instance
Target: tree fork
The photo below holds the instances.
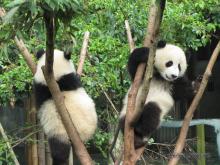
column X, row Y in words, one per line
column 132, row 114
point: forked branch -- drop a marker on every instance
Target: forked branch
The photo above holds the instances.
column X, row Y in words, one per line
column 155, row 16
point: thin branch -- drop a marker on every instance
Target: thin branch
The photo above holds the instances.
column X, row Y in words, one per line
column 129, row 36
column 19, row 141
column 130, row 155
column 26, row 54
column 131, row 46
column 8, row 145
column 188, row 117
column 109, row 100
column 83, row 53
column 57, row 96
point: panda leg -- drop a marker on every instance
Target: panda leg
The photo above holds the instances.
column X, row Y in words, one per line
column 148, row 122
column 60, row 149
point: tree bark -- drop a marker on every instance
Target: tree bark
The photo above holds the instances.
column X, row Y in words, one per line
column 83, row 53
column 26, row 54
column 188, row 117
column 129, row 36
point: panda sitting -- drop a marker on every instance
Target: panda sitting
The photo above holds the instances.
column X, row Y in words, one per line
column 168, row 84
column 80, row 106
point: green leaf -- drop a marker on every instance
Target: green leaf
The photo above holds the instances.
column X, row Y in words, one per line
column 15, row 3
column 8, row 17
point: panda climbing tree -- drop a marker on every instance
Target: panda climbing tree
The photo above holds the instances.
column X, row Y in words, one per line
column 70, row 85
column 131, row 155
column 167, row 85
column 71, row 94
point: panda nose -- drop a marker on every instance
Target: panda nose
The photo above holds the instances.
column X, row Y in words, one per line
column 173, row 76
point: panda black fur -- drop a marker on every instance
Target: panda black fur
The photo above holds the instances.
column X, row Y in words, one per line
column 168, row 85
column 79, row 105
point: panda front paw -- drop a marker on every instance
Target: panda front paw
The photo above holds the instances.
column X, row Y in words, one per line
column 196, row 83
column 139, row 55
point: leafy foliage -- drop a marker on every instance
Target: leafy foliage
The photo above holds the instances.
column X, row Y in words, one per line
column 5, row 156
column 190, row 23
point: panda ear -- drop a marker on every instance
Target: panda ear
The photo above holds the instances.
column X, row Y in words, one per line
column 40, row 53
column 161, row 44
column 67, row 55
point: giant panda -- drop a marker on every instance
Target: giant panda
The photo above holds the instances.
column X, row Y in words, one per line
column 168, row 84
column 80, row 106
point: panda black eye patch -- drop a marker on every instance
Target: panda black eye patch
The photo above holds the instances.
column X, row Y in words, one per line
column 169, row 63
column 179, row 67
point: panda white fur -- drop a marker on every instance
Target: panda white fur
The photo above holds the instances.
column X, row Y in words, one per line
column 168, row 84
column 79, row 105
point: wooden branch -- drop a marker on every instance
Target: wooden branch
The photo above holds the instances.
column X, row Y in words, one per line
column 129, row 36
column 57, row 96
column 131, row 46
column 130, row 155
column 24, row 51
column 188, row 117
column 4, row 136
column 83, row 53
column 26, row 54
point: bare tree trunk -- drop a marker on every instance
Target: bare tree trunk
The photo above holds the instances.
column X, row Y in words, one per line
column 188, row 117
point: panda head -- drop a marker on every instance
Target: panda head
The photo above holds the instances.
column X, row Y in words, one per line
column 62, row 65
column 170, row 61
